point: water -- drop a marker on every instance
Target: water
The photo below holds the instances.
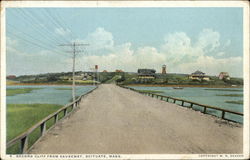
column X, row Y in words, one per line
column 202, row 96
column 46, row 94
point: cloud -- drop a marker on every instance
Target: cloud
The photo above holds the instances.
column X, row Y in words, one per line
column 21, row 62
column 208, row 40
column 177, row 44
column 127, row 59
column 221, row 53
column 213, row 66
column 11, row 47
column 62, row 31
column 228, row 42
column 178, row 51
column 100, row 41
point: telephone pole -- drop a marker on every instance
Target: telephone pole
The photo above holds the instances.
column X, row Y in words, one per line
column 73, row 45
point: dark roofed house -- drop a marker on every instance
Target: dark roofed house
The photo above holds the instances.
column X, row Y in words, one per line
column 198, row 75
column 146, row 73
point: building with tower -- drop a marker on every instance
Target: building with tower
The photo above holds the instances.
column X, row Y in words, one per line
column 164, row 71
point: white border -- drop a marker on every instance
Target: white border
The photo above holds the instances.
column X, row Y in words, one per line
column 244, row 5
column 246, row 79
column 125, row 4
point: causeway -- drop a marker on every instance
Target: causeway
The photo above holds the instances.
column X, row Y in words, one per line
column 116, row 120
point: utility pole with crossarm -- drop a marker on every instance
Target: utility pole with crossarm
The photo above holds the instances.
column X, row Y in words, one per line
column 73, row 45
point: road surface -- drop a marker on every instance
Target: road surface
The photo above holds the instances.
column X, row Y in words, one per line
column 116, row 120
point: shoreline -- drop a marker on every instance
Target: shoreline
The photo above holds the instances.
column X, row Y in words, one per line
column 183, row 85
column 45, row 84
column 140, row 85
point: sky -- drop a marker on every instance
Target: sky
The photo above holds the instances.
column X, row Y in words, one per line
column 184, row 39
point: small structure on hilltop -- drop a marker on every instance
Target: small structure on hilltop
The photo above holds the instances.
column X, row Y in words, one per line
column 105, row 71
column 164, row 70
column 198, row 75
column 118, row 70
column 146, row 73
column 11, row 77
column 224, row 76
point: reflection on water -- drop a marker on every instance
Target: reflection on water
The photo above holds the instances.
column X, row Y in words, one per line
column 47, row 94
column 203, row 96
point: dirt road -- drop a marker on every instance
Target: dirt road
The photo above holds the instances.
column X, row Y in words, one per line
column 117, row 120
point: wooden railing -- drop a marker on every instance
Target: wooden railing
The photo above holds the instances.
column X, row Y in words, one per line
column 24, row 137
column 191, row 103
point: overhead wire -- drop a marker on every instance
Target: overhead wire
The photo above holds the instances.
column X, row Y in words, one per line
column 26, row 13
column 27, row 35
column 47, row 41
column 56, row 24
column 42, row 33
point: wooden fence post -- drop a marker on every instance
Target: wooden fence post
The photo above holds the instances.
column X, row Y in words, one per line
column 167, row 99
column 43, row 128
column 182, row 103
column 174, row 100
column 205, row 109
column 161, row 98
column 191, row 105
column 223, row 114
column 56, row 118
column 24, row 144
column 65, row 111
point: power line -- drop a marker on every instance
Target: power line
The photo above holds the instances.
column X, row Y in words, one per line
column 49, row 30
column 65, row 24
column 26, row 34
column 33, row 43
column 54, row 21
column 31, row 21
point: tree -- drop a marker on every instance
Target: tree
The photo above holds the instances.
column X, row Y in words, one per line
column 52, row 78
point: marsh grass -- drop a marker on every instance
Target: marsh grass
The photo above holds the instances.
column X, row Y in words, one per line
column 21, row 117
column 12, row 92
column 221, row 89
column 150, row 91
column 63, row 88
column 230, row 95
column 235, row 102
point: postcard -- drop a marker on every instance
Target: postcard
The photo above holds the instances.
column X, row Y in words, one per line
column 124, row 80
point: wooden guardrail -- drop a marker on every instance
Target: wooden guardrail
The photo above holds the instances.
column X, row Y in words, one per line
column 174, row 100
column 24, row 137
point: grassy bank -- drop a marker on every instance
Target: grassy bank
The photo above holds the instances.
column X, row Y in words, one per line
column 63, row 88
column 12, row 92
column 174, row 85
column 150, row 91
column 235, row 102
column 48, row 84
column 231, row 90
column 230, row 95
column 21, row 117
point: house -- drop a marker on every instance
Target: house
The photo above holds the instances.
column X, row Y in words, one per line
column 11, row 77
column 105, row 71
column 76, row 78
column 118, row 70
column 146, row 73
column 198, row 75
column 224, row 75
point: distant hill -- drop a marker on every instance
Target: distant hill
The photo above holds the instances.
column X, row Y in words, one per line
column 125, row 78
